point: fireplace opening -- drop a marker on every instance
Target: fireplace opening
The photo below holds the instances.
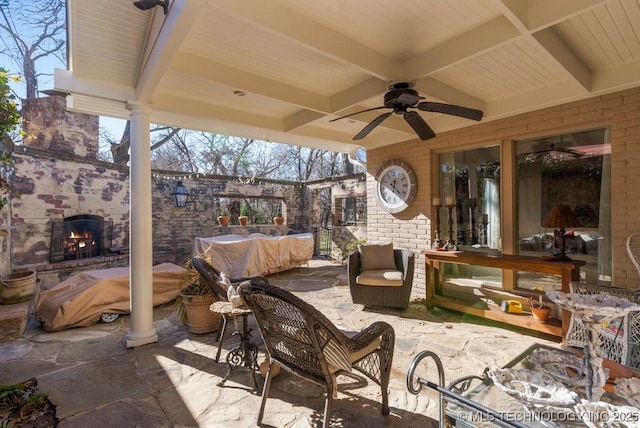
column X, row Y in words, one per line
column 80, row 237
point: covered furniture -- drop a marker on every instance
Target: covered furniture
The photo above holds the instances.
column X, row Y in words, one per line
column 619, row 340
column 255, row 254
column 380, row 275
column 80, row 300
column 303, row 341
column 220, row 284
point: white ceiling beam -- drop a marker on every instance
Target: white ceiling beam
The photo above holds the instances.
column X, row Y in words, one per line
column 617, row 79
column 66, row 81
column 445, row 93
column 309, row 33
column 535, row 99
column 463, row 47
column 162, row 47
column 362, row 91
column 552, row 43
column 301, row 118
column 234, row 78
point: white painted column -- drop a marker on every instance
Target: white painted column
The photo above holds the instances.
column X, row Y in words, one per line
column 140, row 235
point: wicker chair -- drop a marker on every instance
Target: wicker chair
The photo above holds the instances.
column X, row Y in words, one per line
column 619, row 341
column 211, row 275
column 377, row 295
column 303, row 341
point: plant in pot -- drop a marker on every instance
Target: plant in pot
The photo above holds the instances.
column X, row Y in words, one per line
column 243, row 219
column 278, row 219
column 539, row 309
column 224, row 219
column 192, row 306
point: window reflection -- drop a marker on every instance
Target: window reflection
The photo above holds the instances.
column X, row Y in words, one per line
column 573, row 170
column 469, row 188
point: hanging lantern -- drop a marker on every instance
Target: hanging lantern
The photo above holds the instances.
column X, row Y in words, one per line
column 180, row 195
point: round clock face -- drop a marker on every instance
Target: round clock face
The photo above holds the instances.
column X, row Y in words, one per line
column 396, row 186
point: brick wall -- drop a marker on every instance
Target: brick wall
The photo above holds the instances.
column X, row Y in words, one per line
column 619, row 111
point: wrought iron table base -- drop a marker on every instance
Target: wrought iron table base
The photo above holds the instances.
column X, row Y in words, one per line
column 245, row 355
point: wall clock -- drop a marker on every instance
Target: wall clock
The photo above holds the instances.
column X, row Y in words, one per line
column 396, row 186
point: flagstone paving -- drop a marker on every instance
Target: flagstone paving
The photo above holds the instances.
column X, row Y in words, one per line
column 95, row 381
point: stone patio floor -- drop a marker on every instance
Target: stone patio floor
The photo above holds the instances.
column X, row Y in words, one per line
column 95, row 381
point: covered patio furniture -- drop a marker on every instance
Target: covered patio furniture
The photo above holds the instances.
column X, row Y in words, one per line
column 303, row 341
column 380, row 275
column 214, row 278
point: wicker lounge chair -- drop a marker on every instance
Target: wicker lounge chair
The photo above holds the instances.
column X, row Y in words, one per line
column 303, row 341
column 368, row 290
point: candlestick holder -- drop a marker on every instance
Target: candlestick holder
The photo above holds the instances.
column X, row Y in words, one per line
column 473, row 203
column 437, row 242
column 450, row 244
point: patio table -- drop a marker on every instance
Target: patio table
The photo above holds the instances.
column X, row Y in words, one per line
column 491, row 396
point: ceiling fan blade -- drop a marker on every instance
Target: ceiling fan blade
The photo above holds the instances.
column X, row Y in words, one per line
column 467, row 113
column 418, row 124
column 353, row 114
column 375, row 122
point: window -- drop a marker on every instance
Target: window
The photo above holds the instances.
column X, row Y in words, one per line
column 574, row 170
column 469, row 191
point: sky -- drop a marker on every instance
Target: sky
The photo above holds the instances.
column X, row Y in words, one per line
column 47, row 65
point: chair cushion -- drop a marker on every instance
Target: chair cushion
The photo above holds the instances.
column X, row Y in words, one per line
column 376, row 257
column 381, row 277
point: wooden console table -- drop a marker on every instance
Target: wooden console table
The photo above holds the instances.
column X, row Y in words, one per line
column 568, row 271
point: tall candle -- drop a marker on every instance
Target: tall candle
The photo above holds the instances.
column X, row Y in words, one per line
column 449, row 201
column 437, row 202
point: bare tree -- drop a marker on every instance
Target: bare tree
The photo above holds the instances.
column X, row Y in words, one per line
column 32, row 31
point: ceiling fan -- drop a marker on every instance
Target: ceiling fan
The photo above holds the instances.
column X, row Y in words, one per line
column 402, row 97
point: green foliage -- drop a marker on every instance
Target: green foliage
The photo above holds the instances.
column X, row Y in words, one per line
column 9, row 120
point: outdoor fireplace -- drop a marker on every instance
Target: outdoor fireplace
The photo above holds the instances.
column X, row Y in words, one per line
column 80, row 237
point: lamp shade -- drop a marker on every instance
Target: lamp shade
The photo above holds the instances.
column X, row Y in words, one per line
column 180, row 195
column 561, row 216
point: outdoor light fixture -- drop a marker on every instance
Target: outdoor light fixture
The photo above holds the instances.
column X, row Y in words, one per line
column 559, row 217
column 180, row 195
column 150, row 4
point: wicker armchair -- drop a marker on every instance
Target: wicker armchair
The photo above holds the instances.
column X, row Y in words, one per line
column 380, row 295
column 303, row 341
column 619, row 341
column 211, row 275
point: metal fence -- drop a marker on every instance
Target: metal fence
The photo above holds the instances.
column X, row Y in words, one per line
column 322, row 237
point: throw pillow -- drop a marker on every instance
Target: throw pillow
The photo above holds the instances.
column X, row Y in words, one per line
column 376, row 257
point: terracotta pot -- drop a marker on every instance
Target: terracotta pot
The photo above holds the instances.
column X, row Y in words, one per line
column 278, row 220
column 199, row 317
column 264, row 368
column 243, row 220
column 17, row 287
column 224, row 220
column 540, row 314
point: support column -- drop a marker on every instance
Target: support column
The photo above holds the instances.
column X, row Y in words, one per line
column 142, row 330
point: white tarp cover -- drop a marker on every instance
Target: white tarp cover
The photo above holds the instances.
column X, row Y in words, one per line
column 80, row 300
column 256, row 254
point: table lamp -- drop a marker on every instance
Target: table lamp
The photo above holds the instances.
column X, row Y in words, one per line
column 559, row 217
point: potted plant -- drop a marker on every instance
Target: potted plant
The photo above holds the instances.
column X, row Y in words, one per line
column 243, row 218
column 539, row 309
column 278, row 219
column 224, row 219
column 192, row 307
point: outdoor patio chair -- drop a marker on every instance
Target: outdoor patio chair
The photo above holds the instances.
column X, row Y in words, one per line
column 303, row 341
column 380, row 275
column 619, row 340
column 213, row 277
